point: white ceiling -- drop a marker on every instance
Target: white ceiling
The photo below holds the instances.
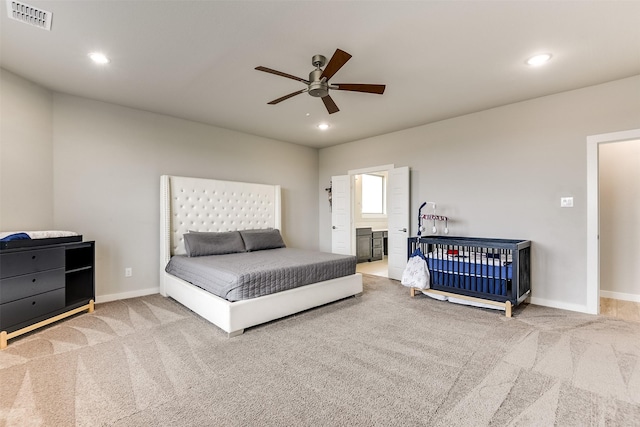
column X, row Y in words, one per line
column 439, row 59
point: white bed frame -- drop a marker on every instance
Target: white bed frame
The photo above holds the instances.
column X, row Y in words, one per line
column 211, row 205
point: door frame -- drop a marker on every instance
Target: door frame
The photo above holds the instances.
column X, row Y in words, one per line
column 593, row 214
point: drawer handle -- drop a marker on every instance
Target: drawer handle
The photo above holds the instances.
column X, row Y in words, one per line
column 33, row 303
column 33, row 257
column 33, row 280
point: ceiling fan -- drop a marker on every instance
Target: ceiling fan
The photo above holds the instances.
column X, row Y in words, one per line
column 318, row 84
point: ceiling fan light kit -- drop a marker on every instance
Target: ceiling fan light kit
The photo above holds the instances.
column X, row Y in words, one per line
column 318, row 84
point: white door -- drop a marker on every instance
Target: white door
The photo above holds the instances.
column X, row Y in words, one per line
column 398, row 216
column 341, row 214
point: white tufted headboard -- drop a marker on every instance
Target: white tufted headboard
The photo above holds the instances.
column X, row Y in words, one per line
column 210, row 205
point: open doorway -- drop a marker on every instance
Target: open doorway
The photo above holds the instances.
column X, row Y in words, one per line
column 371, row 222
column 595, row 226
column 619, row 208
column 343, row 237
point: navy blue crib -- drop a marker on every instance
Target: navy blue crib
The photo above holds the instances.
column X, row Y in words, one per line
column 486, row 271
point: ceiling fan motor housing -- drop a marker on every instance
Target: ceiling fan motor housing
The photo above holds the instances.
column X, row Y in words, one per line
column 318, row 87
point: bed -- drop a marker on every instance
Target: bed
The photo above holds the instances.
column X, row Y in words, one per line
column 493, row 273
column 190, row 205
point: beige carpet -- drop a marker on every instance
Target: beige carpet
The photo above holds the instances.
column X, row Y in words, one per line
column 381, row 359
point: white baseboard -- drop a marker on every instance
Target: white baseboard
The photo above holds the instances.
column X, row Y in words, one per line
column 561, row 305
column 620, row 296
column 125, row 295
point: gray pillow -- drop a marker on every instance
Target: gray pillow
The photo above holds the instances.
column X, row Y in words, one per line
column 204, row 243
column 257, row 240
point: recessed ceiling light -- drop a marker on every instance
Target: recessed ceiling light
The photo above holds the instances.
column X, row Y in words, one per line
column 323, row 126
column 99, row 58
column 537, row 60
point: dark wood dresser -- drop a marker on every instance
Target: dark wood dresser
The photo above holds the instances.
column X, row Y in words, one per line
column 40, row 285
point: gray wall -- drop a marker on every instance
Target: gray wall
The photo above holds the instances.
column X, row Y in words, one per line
column 26, row 167
column 501, row 173
column 107, row 165
column 619, row 179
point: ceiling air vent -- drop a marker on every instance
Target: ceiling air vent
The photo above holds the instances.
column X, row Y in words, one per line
column 29, row 15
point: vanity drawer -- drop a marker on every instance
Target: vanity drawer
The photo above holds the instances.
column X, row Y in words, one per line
column 17, row 263
column 376, row 245
column 18, row 287
column 25, row 309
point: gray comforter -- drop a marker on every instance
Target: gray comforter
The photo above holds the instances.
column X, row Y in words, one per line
column 247, row 275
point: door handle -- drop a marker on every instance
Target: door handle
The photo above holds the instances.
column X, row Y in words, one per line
column 404, row 230
column 334, row 227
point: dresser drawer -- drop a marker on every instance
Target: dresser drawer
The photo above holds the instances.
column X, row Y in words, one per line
column 363, row 231
column 18, row 287
column 17, row 263
column 22, row 310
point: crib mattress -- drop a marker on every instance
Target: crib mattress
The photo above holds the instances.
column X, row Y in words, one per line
column 472, row 271
column 465, row 267
column 246, row 275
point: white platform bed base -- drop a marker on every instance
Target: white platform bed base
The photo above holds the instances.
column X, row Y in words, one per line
column 212, row 205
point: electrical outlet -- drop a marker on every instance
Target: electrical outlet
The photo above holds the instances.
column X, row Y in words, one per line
column 566, row 202
column 128, row 272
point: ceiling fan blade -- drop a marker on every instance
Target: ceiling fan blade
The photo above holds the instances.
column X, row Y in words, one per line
column 354, row 87
column 339, row 58
column 280, row 73
column 331, row 106
column 298, row 92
